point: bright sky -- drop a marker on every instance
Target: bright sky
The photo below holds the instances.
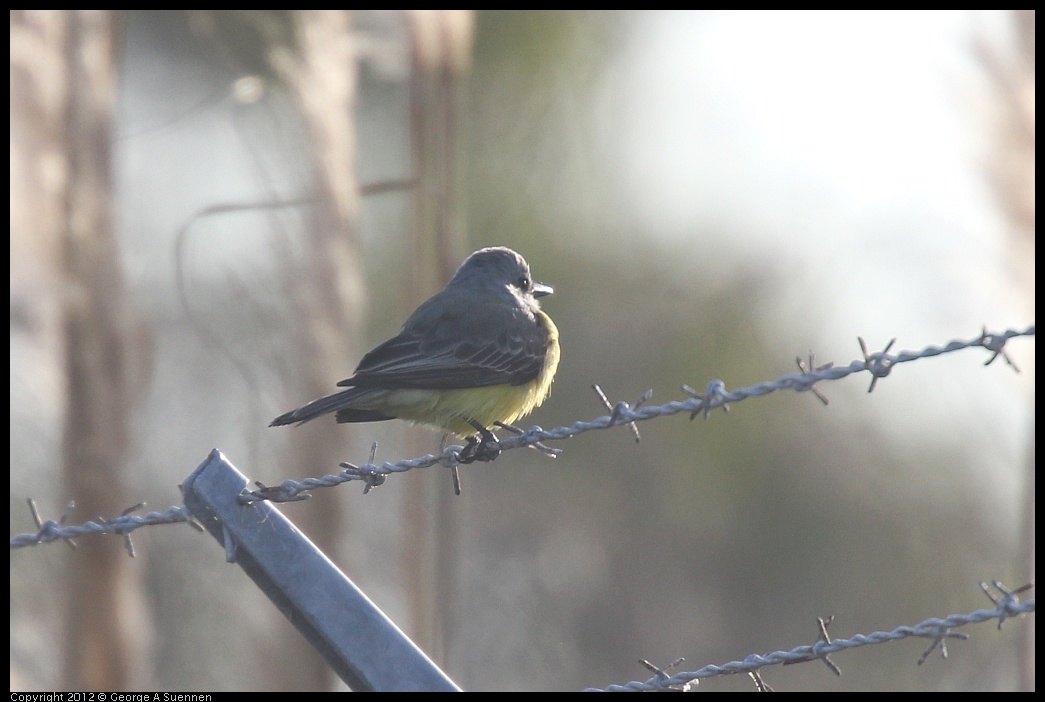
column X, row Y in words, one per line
column 782, row 118
column 846, row 149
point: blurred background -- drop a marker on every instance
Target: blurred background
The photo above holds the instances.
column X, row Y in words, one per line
column 215, row 214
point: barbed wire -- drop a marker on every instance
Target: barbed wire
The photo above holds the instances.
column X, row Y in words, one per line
column 879, row 364
column 50, row 530
column 1007, row 605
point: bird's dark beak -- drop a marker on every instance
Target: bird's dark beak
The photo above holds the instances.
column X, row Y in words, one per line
column 542, row 290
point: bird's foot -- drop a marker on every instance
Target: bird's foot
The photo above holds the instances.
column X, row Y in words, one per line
column 481, row 447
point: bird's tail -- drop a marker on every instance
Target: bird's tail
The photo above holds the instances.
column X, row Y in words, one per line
column 344, row 403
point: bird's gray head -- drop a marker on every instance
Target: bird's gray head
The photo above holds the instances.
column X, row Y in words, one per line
column 498, row 267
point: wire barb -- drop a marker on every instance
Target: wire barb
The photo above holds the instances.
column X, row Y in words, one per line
column 126, row 531
column 815, row 652
column 367, row 473
column 996, row 343
column 826, row 638
column 1008, row 602
column 716, row 390
column 44, row 528
column 537, row 445
column 939, row 637
column 760, row 684
column 621, row 407
column 810, row 385
column 662, row 675
column 879, row 364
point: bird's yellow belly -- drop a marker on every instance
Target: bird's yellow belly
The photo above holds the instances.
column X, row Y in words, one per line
column 451, row 410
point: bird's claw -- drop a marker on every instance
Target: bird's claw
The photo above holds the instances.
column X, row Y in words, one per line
column 481, row 447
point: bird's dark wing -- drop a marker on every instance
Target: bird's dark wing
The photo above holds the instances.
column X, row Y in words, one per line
column 459, row 349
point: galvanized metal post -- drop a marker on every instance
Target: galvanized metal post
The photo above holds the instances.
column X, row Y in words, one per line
column 363, row 646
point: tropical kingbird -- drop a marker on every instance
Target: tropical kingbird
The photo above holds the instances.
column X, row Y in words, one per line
column 478, row 353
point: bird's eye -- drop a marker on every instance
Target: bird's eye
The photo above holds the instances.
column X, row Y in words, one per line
column 523, row 283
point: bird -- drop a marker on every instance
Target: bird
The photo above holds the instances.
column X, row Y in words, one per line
column 479, row 353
